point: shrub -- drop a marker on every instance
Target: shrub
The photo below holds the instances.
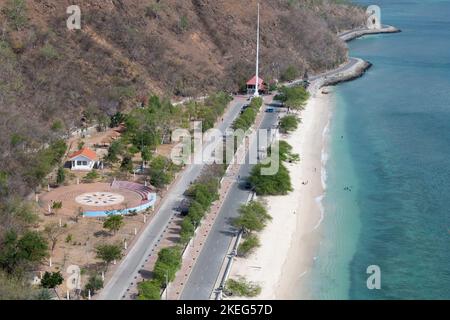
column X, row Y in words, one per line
column 252, row 216
column 289, row 74
column 247, row 118
column 250, row 243
column 187, row 230
column 242, row 288
column 16, row 12
column 49, row 52
column 161, row 171
column 91, row 176
column 108, row 252
column 168, row 263
column 149, row 290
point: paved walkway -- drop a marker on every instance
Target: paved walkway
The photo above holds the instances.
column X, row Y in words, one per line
column 122, row 278
column 192, row 253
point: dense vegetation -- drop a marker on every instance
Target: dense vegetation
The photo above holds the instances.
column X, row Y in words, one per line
column 247, row 118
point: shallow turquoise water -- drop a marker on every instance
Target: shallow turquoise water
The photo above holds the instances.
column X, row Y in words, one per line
column 395, row 156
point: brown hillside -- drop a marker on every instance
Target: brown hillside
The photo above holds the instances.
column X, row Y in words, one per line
column 127, row 49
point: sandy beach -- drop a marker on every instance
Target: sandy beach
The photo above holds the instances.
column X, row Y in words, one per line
column 289, row 241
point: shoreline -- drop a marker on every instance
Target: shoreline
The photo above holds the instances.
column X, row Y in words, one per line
column 289, row 243
column 290, row 240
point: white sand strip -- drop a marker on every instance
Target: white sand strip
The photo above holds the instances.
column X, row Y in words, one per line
column 289, row 241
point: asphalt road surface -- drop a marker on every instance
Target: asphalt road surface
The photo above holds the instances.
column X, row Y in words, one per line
column 126, row 272
column 201, row 282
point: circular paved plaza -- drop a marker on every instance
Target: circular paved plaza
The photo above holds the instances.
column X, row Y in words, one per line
column 89, row 197
column 100, row 199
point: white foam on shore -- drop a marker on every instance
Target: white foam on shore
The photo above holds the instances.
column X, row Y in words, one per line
column 319, row 201
column 323, row 172
column 324, row 155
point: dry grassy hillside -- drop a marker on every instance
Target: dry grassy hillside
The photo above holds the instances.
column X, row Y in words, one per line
column 51, row 78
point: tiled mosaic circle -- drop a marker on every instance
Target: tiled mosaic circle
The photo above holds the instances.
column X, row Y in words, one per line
column 99, row 199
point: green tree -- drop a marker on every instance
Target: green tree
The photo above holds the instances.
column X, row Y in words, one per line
column 161, row 171
column 51, row 280
column 277, row 184
column 108, row 253
column 253, row 216
column 293, row 97
column 117, row 119
column 146, row 154
column 113, row 223
column 196, row 212
column 289, row 123
column 284, row 151
column 289, row 74
column 114, row 150
column 94, row 284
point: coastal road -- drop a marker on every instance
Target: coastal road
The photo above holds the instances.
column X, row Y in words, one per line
column 129, row 268
column 206, row 270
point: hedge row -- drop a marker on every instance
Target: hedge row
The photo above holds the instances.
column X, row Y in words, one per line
column 247, row 118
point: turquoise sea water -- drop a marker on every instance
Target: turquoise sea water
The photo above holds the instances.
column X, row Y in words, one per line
column 395, row 157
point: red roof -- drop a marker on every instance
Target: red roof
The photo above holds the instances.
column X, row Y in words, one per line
column 86, row 152
column 252, row 81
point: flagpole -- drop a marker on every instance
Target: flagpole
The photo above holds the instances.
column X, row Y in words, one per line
column 256, row 94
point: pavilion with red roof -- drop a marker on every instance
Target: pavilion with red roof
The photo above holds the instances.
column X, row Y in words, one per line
column 84, row 159
column 251, row 85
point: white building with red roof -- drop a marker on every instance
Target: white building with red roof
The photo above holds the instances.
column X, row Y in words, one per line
column 251, row 85
column 84, row 160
